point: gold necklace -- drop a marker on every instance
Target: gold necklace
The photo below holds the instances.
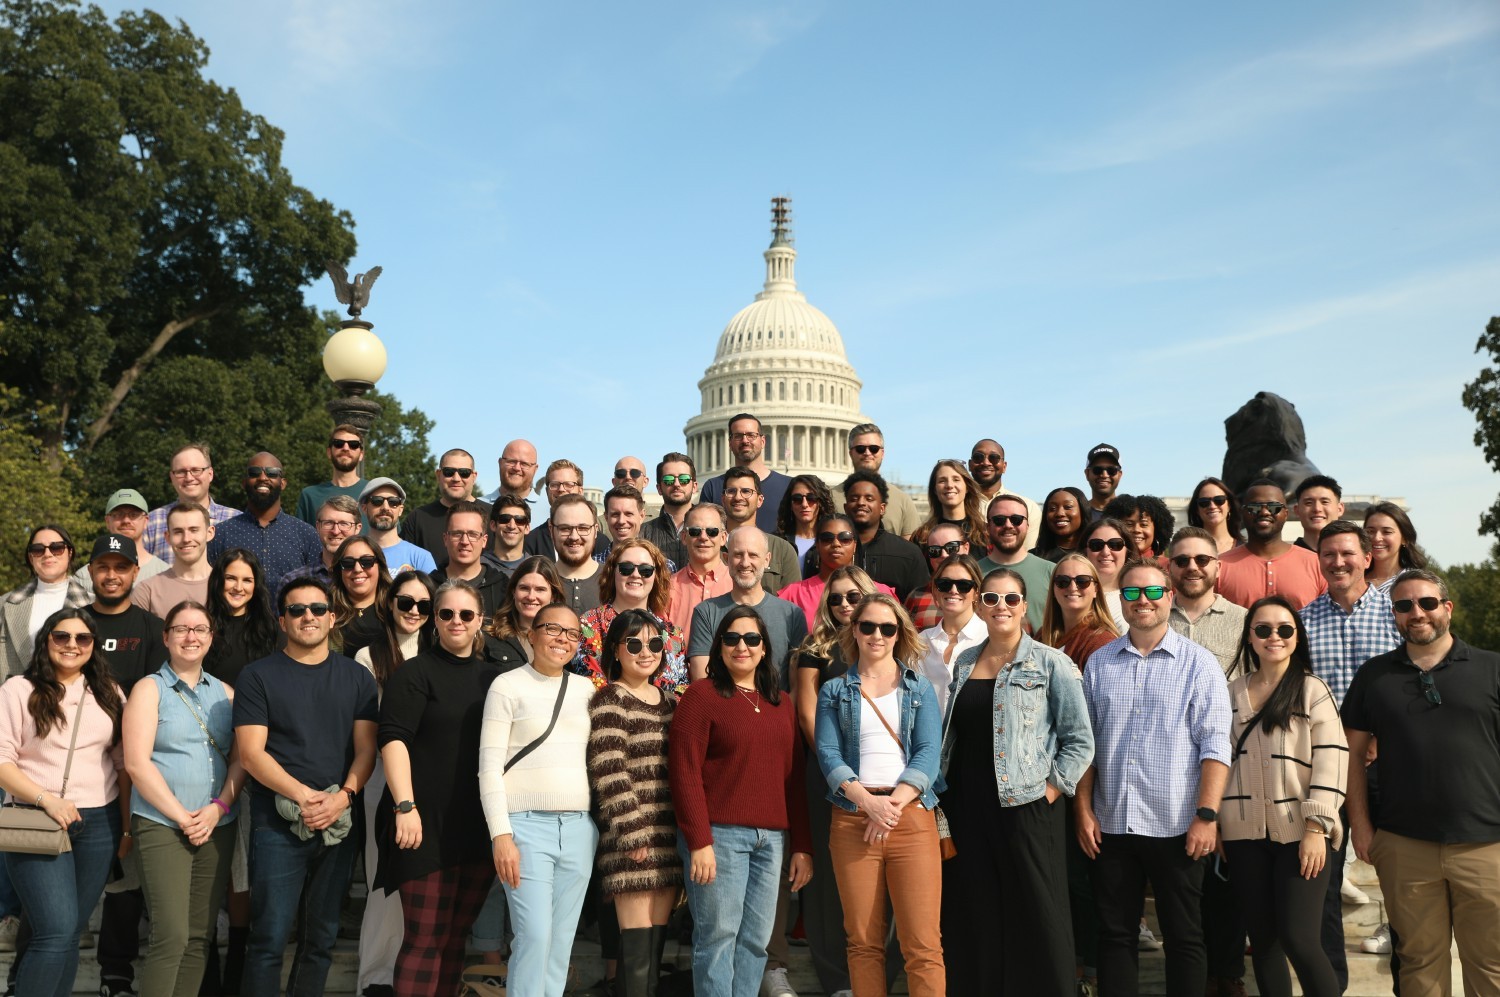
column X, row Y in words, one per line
column 753, row 702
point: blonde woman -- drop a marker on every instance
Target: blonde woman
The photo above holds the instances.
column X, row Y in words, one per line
column 1077, row 620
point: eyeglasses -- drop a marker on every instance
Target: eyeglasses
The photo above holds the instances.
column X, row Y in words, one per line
column 296, row 609
column 1429, row 688
column 337, row 525
column 507, row 518
column 676, row 479
column 345, row 445
column 1132, row 593
column 843, row 537
column 1109, row 469
column 1264, row 630
column 1082, row 582
column 394, row 501
column 978, row 457
column 464, row 473
column 741, row 493
column 574, row 531
column 464, row 615
column 628, row 568
column 473, row 536
column 54, row 548
column 635, row 645
column 951, row 547
column 62, row 638
column 853, row 597
column 867, row 449
column 1014, row 519
column 1427, row 602
column 993, row 599
column 633, row 472
column 733, row 638
column 188, row 472
column 271, row 473
column 963, row 586
column 1256, row 508
column 1201, row 560
column 366, row 561
column 703, row 531
column 558, row 630
column 182, row 630
column 514, row 462
column 886, row 629
column 737, row 437
column 804, row 498
column 1204, row 501
column 1096, row 544
column 406, row 604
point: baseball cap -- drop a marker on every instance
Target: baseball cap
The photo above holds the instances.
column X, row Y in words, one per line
column 376, row 483
column 125, row 496
column 113, row 543
column 1102, row 451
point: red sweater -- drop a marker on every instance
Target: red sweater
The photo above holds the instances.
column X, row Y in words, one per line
column 731, row 765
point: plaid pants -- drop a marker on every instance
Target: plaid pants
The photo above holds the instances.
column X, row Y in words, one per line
column 438, row 909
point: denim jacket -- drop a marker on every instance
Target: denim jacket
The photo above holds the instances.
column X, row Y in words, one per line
column 1042, row 731
column 837, row 734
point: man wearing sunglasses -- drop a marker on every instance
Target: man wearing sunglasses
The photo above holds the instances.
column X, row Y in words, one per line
column 1008, row 519
column 381, row 503
column 1101, row 469
column 1148, row 806
column 1265, row 564
column 867, row 453
column 887, row 557
column 987, row 466
column 346, row 453
column 191, row 474
column 510, row 524
column 677, row 480
column 705, row 575
column 629, row 471
column 281, row 541
column 190, row 532
column 456, row 481
column 304, row 722
column 748, row 445
column 465, row 539
column 1433, row 834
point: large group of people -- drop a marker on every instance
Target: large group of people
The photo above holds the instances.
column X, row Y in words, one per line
column 970, row 745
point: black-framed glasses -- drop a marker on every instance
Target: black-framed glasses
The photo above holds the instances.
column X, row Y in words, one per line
column 366, row 561
column 1204, row 501
column 55, row 547
column 337, row 524
column 676, row 479
column 406, row 604
column 261, row 471
column 629, row 472
column 867, row 449
column 1264, row 630
column 464, row 473
column 733, row 638
column 804, row 498
column 949, row 548
column 506, row 518
column 842, row 536
column 887, row 630
column 62, row 638
column 394, row 501
column 1109, row 469
column 188, row 472
column 581, row 530
column 1063, row 582
column 1014, row 519
column 628, row 568
column 853, row 597
column 345, row 445
column 977, row 457
column 1429, row 688
column 1427, row 602
column 182, row 630
column 1201, row 560
column 993, row 599
column 296, row 610
column 1132, row 593
column 963, row 586
column 458, row 536
column 558, row 630
column 1256, row 508
column 703, row 531
column 1097, row 544
column 737, row 437
column 635, row 645
column 446, row 614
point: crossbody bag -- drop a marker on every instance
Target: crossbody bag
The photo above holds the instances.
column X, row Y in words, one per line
column 29, row 830
column 945, row 834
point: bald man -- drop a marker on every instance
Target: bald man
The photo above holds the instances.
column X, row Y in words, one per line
column 749, row 556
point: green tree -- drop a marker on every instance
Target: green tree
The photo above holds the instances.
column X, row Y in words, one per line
column 38, row 493
column 1482, row 397
column 1475, row 589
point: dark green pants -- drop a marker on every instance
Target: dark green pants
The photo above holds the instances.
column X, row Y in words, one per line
column 184, row 888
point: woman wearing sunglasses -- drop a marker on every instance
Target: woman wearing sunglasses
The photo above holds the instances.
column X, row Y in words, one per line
column 1016, row 738
column 66, row 700
column 405, row 619
column 837, row 542
column 955, row 588
column 178, row 739
column 429, row 724
column 1077, row 621
column 1214, row 509
column 1279, row 820
column 805, row 501
column 1148, row 523
column 49, row 556
column 634, row 576
column 878, row 736
column 736, row 767
column 361, row 583
column 954, row 498
column 638, row 861
column 1107, row 545
column 1063, row 517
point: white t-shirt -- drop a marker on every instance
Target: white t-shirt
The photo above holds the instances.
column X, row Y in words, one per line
column 49, row 598
column 881, row 760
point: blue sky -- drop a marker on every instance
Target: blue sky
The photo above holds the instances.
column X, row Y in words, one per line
column 1050, row 224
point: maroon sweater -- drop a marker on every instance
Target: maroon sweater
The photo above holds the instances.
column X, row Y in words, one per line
column 731, row 765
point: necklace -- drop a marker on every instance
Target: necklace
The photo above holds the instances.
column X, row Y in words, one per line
column 753, row 702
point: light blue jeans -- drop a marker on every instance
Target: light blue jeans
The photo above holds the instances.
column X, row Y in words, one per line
column 733, row 915
column 557, row 857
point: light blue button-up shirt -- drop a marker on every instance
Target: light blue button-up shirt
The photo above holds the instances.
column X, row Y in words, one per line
column 193, row 768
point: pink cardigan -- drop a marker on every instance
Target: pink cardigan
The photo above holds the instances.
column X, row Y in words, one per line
column 94, row 780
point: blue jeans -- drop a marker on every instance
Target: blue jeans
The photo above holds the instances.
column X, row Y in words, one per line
column 557, row 857
column 288, row 873
column 733, row 915
column 58, row 893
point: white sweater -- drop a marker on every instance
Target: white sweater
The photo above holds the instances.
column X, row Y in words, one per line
column 554, row 776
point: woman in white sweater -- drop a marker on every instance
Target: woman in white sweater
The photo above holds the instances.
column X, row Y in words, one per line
column 534, row 784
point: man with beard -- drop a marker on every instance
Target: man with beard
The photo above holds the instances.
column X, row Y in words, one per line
column 125, row 516
column 705, row 575
column 1266, row 564
column 563, row 477
column 574, row 527
column 987, row 466
column 676, row 479
column 786, row 624
column 517, row 469
column 425, row 525
column 381, row 503
column 346, row 448
column 1434, row 833
column 1007, row 517
column 191, row 474
column 743, row 501
column 885, row 556
column 748, row 444
column 282, row 542
column 304, row 723
column 510, row 523
column 867, row 453
column 189, row 531
column 466, row 539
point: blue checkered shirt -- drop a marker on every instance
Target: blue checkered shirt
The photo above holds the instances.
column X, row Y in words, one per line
column 1157, row 718
column 1341, row 642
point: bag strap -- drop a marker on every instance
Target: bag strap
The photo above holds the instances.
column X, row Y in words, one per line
column 562, row 690
column 203, row 726
column 73, row 742
column 883, row 722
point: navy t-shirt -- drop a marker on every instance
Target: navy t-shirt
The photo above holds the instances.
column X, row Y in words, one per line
column 309, row 712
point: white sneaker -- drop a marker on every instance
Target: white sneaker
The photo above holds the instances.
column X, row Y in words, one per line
column 1353, row 895
column 1379, row 941
column 774, row 984
column 9, row 924
column 1146, row 941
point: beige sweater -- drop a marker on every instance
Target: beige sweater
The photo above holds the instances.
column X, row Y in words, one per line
column 1283, row 778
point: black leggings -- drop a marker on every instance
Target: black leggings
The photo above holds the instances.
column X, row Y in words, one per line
column 1283, row 912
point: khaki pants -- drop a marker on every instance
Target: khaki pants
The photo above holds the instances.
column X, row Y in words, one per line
column 908, row 868
column 1435, row 893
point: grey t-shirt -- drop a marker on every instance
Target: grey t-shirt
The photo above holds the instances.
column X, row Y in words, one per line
column 785, row 622
column 1037, row 571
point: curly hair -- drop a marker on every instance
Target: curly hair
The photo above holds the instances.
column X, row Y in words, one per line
column 661, row 584
column 786, row 522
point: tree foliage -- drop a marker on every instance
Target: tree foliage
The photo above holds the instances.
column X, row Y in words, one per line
column 37, row 493
column 1475, row 589
column 1482, row 397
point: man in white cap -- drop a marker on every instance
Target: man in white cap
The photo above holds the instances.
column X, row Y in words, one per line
column 382, row 502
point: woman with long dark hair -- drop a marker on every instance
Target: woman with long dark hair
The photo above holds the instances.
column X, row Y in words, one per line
column 239, row 610
column 1213, row 507
column 955, row 586
column 1107, row 545
column 49, row 558
column 805, row 502
column 65, row 700
column 737, row 787
column 360, row 585
column 533, row 585
column 954, row 498
column 1064, row 514
column 1279, row 821
column 1393, row 544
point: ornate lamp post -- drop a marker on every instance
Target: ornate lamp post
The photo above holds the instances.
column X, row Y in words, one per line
column 354, row 357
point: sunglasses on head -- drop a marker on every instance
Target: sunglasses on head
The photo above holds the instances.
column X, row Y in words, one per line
column 406, row 604
column 1096, row 544
column 986, row 458
column 506, row 518
column 55, row 547
column 951, row 547
column 464, row 615
column 345, row 445
column 852, row 597
column 463, row 472
column 703, row 531
column 258, row 471
column 1427, row 602
column 1082, row 582
column 1201, row 560
column 1256, row 508
column 886, row 629
column 1204, row 501
column 62, row 638
column 1264, row 630
column 366, row 561
column 677, row 479
column 296, row 609
column 733, row 638
column 1132, row 593
column 635, row 645
column 378, row 501
column 1014, row 519
column 628, row 568
column 843, row 537
column 804, row 498
column 993, row 599
column 963, row 586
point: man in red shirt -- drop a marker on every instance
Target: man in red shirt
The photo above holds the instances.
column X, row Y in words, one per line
column 1266, row 564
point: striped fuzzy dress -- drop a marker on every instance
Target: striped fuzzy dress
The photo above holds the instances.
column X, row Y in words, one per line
column 627, row 759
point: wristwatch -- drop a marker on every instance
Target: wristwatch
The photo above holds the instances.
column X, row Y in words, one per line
column 404, row 807
column 1208, row 814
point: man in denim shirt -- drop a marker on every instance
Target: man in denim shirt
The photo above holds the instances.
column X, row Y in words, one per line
column 1148, row 807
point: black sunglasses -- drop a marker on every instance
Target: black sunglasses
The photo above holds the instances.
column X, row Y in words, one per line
column 345, row 445
column 951, row 547
column 1082, row 582
column 406, row 604
column 1109, row 469
column 634, row 644
column 852, row 597
column 843, row 537
column 986, row 458
column 366, row 561
column 1256, row 508
column 296, row 609
column 394, row 501
column 1427, row 602
column 1201, row 560
column 1204, row 501
column 464, row 615
column 1096, row 544
column 257, row 471
column 703, row 531
column 963, row 586
column 1264, row 630
column 55, row 547
column 886, row 629
column 506, row 518
column 628, row 568
column 1429, row 688
column 992, row 599
column 1014, row 519
column 804, row 498
column 629, row 472
column 463, row 472
column 733, row 639
column 867, row 449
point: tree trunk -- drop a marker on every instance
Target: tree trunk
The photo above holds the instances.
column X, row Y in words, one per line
column 101, row 425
